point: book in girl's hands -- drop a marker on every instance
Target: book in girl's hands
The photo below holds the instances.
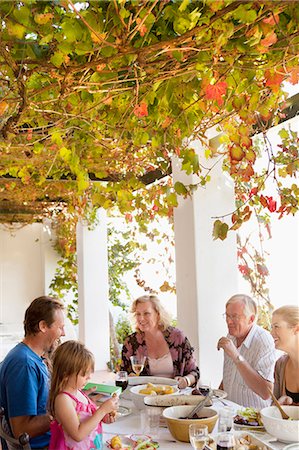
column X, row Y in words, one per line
column 104, row 389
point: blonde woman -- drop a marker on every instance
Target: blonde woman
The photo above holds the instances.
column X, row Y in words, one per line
column 168, row 351
column 285, row 332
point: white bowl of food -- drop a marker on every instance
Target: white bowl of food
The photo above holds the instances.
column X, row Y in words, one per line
column 283, row 430
column 138, row 393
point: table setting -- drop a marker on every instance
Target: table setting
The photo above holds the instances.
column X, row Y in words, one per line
column 142, row 424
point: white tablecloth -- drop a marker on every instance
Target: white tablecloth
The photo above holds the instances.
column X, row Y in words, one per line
column 131, row 424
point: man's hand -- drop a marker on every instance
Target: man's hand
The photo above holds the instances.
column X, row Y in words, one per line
column 229, row 347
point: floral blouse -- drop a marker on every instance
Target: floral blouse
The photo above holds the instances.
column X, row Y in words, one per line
column 179, row 347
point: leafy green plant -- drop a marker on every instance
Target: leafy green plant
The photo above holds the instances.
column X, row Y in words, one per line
column 97, row 97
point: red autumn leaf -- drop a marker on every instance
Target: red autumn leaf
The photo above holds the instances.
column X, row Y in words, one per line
column 273, row 80
column 294, row 75
column 273, row 19
column 141, row 110
column 262, row 269
column 271, row 204
column 216, row 91
column 269, row 40
column 166, row 122
column 268, row 202
column 128, row 217
column 253, row 191
column 244, row 269
column 142, row 28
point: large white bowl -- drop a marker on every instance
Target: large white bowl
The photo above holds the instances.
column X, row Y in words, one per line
column 138, row 399
column 284, row 430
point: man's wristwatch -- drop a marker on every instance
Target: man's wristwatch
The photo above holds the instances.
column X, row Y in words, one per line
column 239, row 359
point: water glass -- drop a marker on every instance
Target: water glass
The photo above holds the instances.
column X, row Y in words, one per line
column 150, row 421
column 226, row 419
column 198, row 435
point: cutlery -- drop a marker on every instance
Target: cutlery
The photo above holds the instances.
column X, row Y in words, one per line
column 198, row 407
column 282, row 412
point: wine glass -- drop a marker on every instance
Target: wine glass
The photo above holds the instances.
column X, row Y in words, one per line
column 225, row 441
column 137, row 363
column 121, row 379
column 198, row 435
column 204, row 386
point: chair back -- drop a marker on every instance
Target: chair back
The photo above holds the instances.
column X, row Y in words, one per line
column 22, row 443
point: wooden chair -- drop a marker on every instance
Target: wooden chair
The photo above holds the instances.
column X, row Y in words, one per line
column 22, row 443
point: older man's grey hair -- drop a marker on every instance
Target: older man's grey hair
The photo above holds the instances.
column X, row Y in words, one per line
column 249, row 304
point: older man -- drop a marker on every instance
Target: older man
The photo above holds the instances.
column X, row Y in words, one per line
column 249, row 355
column 24, row 377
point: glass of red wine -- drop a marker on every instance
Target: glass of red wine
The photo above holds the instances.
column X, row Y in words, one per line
column 225, row 441
column 121, row 379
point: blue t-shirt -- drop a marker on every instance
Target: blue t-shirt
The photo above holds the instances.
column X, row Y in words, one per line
column 24, row 387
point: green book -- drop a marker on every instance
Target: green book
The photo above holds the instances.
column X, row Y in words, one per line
column 105, row 389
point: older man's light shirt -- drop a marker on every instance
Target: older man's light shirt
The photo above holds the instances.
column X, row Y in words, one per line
column 259, row 351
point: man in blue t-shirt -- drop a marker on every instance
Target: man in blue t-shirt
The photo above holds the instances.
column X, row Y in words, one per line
column 24, row 377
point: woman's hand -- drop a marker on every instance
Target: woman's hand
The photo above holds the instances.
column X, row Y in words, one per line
column 182, row 382
column 285, row 400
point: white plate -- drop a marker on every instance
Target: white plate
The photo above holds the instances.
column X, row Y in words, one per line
column 134, row 381
column 239, row 426
column 219, row 393
column 294, row 446
column 123, row 411
column 126, row 441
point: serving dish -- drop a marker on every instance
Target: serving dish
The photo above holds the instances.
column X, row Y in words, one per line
column 179, row 427
column 165, row 401
column 284, row 430
column 134, row 381
column 138, row 398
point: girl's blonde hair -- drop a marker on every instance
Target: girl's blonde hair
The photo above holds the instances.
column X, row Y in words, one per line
column 288, row 313
column 164, row 316
column 70, row 358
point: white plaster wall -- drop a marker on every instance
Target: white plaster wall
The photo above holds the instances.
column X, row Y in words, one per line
column 206, row 269
column 24, row 251
column 21, row 269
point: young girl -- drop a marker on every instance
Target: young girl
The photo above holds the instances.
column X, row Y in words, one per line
column 77, row 424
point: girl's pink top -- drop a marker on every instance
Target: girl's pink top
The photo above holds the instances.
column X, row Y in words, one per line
column 60, row 440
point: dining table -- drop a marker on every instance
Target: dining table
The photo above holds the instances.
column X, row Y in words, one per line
column 131, row 424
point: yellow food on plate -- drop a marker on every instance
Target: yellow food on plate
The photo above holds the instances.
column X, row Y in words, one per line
column 116, row 443
column 151, row 389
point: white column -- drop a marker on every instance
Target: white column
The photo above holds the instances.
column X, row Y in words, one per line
column 93, row 289
column 206, row 269
column 49, row 256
